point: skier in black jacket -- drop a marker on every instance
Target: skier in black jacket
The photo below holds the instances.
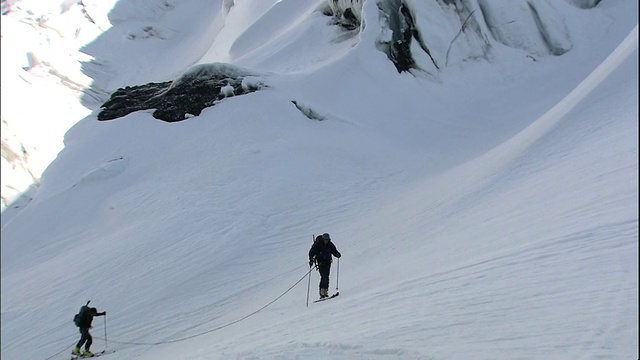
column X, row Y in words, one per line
column 85, row 317
column 320, row 253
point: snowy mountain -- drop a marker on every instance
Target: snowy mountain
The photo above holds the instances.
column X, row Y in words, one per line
column 475, row 162
column 42, row 64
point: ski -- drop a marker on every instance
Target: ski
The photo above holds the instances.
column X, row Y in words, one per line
column 328, row 298
column 95, row 355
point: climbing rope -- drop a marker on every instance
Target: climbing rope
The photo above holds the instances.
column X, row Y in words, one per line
column 205, row 332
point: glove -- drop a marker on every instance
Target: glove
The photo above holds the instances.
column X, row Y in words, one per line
column 310, row 263
column 339, row 255
column 104, row 313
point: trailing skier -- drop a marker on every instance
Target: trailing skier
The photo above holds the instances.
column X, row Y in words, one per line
column 321, row 253
column 83, row 321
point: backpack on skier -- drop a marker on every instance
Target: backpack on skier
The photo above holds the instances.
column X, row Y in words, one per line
column 80, row 317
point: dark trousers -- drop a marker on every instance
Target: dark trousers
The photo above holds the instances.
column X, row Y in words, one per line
column 85, row 339
column 324, row 269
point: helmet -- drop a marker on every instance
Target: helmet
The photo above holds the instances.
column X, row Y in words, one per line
column 326, row 236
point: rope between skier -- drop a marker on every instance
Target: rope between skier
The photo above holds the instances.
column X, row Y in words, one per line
column 203, row 333
column 219, row 327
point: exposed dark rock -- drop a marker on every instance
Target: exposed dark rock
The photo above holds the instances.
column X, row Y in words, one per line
column 200, row 87
column 308, row 111
column 350, row 21
column 346, row 13
column 403, row 28
column 584, row 4
column 130, row 99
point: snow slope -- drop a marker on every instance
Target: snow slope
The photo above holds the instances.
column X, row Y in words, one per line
column 490, row 211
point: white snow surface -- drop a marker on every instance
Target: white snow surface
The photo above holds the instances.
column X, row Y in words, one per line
column 488, row 212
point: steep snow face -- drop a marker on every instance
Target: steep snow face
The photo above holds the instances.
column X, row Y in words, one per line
column 415, row 44
column 407, row 36
column 53, row 53
column 431, row 35
column 536, row 27
column 61, row 53
column 42, row 62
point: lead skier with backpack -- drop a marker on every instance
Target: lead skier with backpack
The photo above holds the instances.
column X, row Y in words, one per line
column 321, row 253
column 83, row 321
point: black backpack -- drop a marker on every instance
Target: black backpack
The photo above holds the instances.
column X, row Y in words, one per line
column 79, row 318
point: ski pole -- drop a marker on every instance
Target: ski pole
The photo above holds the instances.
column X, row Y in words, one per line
column 313, row 236
column 309, row 286
column 337, row 274
column 105, row 332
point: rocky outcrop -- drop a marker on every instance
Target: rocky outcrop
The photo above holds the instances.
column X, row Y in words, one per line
column 200, row 87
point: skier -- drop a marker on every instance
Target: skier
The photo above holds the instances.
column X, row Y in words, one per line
column 84, row 319
column 320, row 253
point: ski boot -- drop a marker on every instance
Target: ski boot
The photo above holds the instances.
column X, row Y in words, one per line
column 76, row 351
column 324, row 293
column 87, row 353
